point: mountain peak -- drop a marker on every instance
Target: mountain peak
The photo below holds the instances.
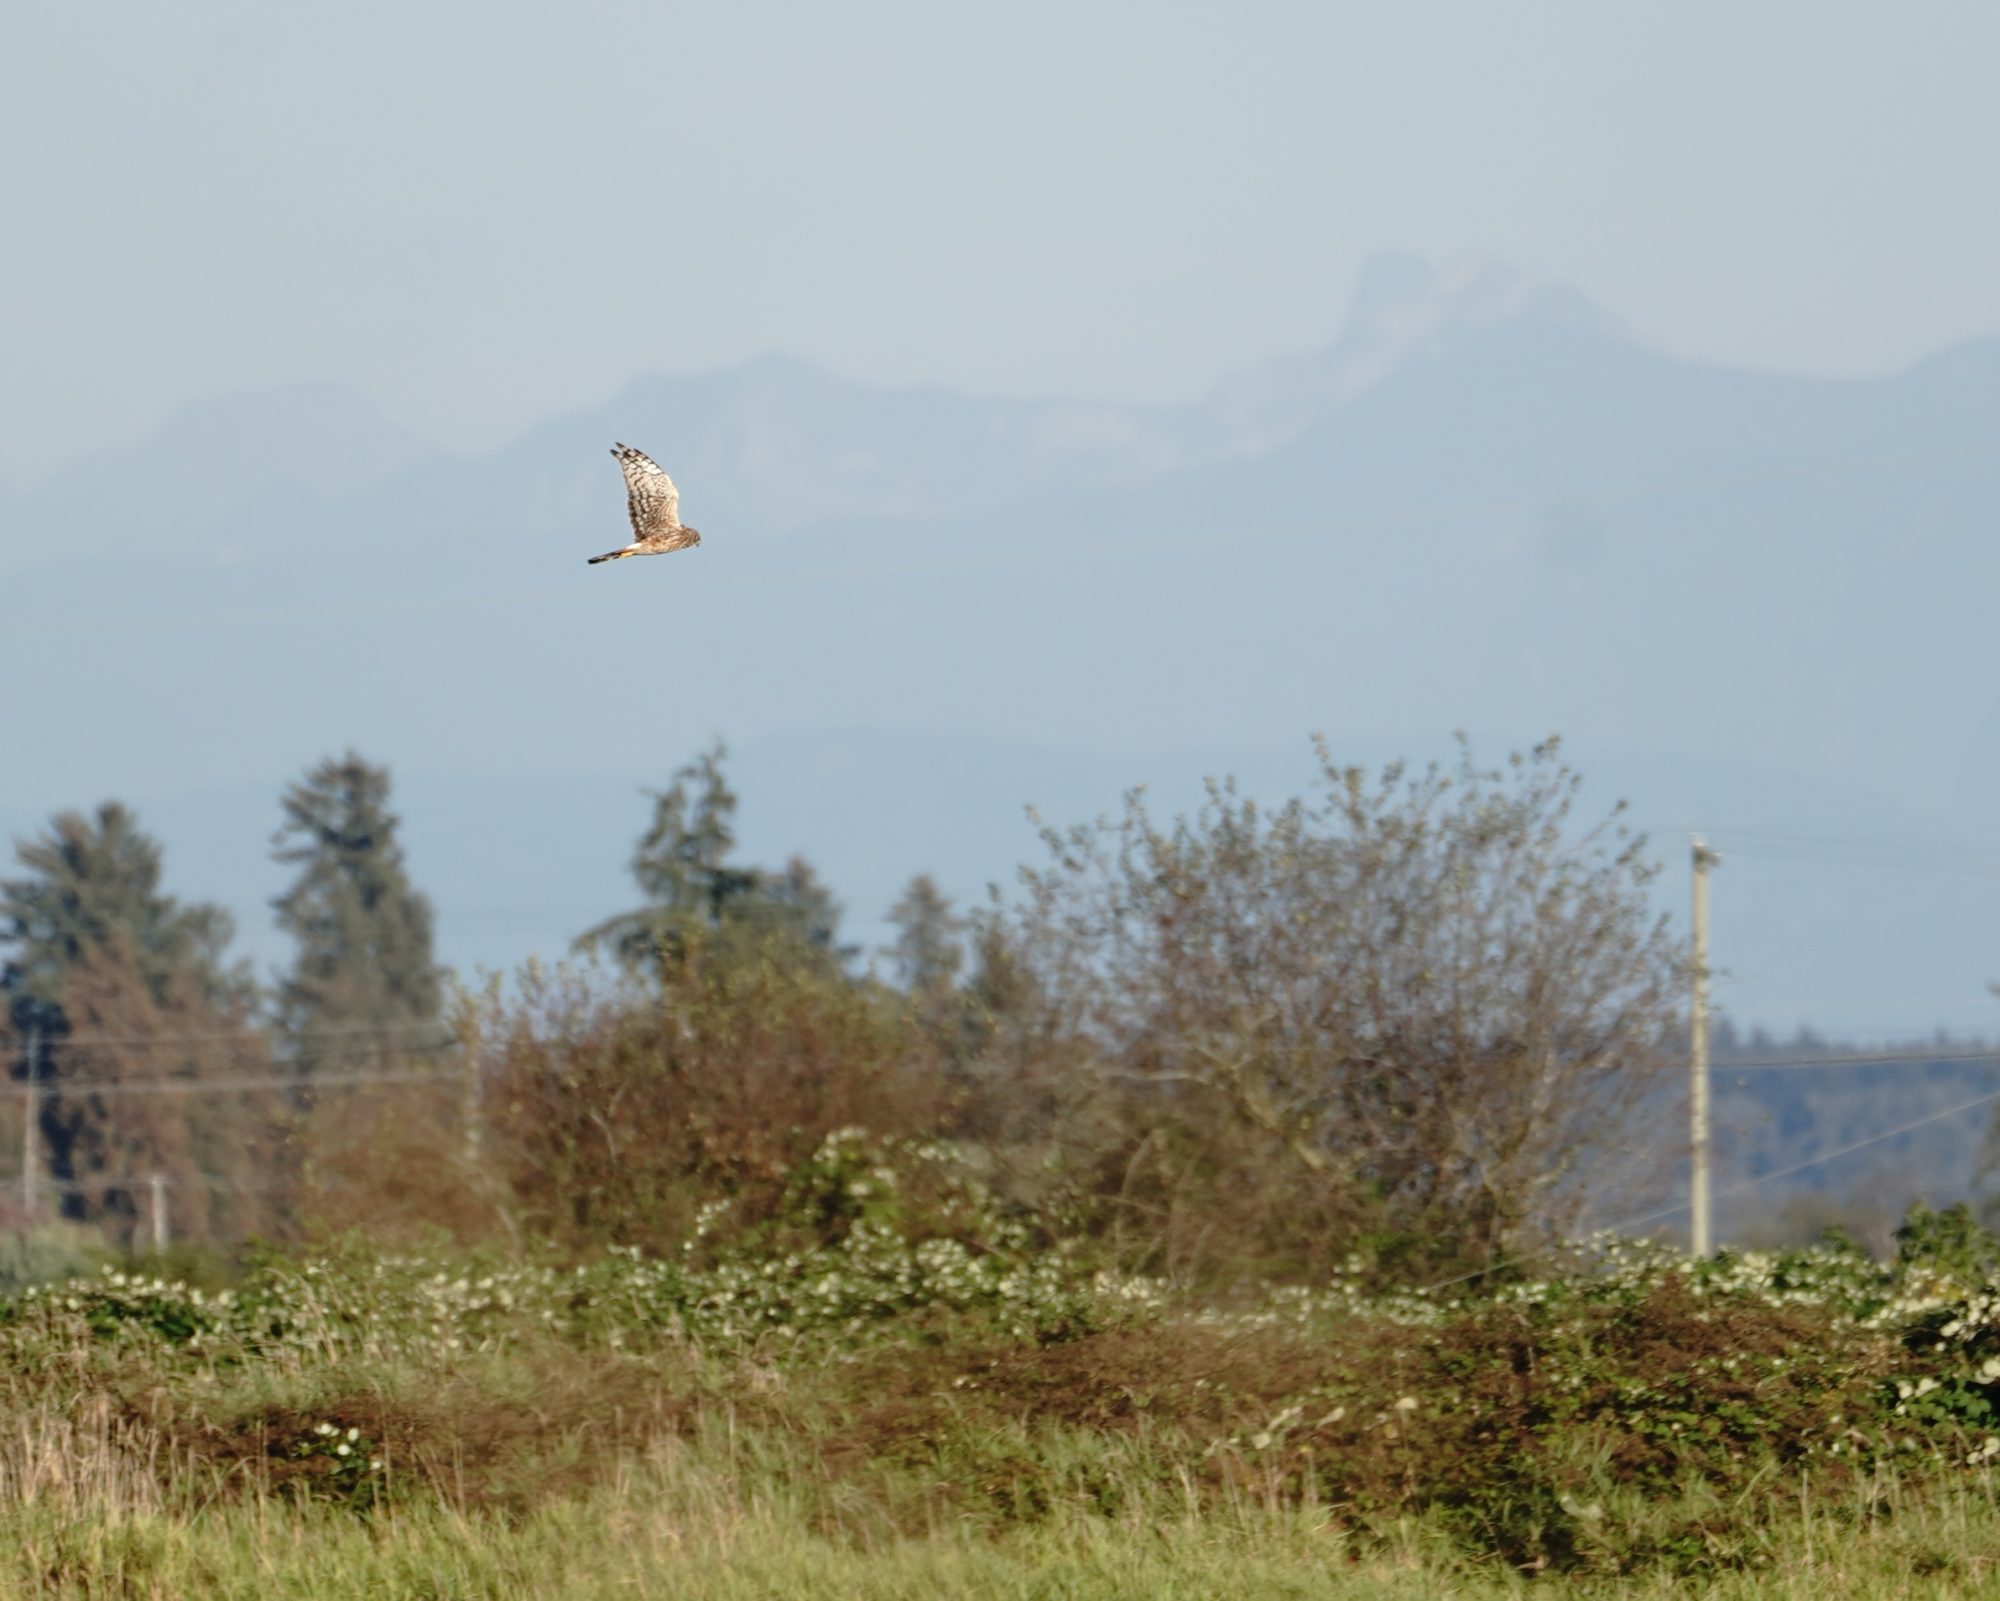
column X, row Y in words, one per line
column 324, row 436
column 1405, row 307
column 1405, row 298
column 212, row 457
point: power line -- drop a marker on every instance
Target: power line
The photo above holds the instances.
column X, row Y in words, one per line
column 110, row 1088
column 1859, row 1059
column 1890, row 855
column 246, row 1034
column 1742, row 1185
column 304, row 1063
column 132, row 1181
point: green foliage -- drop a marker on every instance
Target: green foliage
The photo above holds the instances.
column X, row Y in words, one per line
column 1950, row 1242
column 697, row 900
column 48, row 1252
column 363, row 932
column 341, row 1465
column 929, row 947
column 168, row 1311
column 853, row 1288
column 613, row 1119
column 845, row 1184
column 91, row 885
column 755, row 1231
column 117, row 984
column 925, row 1359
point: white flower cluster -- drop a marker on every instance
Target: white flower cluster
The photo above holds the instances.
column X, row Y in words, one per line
column 403, row 1308
column 876, row 1281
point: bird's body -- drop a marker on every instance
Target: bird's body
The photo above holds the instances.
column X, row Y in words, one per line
column 655, row 506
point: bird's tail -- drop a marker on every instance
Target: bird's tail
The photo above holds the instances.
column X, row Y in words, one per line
column 609, row 555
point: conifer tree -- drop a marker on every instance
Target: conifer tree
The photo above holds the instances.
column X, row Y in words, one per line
column 679, row 866
column 695, row 894
column 364, row 962
column 929, row 946
column 86, row 883
column 119, row 983
column 1003, row 1006
column 110, row 1132
column 794, row 908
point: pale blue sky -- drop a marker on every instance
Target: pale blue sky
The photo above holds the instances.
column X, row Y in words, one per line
column 481, row 215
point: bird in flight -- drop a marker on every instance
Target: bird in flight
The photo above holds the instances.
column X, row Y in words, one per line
column 655, row 506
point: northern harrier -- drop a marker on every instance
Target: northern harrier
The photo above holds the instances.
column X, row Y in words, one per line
column 655, row 506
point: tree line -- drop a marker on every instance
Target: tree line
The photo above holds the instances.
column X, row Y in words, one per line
column 127, row 1019
column 1408, row 1019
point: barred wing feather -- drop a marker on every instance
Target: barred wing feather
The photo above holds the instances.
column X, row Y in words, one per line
column 650, row 495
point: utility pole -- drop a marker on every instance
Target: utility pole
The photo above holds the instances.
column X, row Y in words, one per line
column 1698, row 1219
column 31, row 1117
column 158, row 1183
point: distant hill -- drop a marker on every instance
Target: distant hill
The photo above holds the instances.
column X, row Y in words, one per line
column 164, row 496
column 1866, row 1138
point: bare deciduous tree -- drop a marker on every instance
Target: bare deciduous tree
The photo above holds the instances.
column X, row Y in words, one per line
column 1435, row 996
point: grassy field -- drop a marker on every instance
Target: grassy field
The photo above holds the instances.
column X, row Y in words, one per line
column 659, row 1533
column 968, row 1407
column 722, row 1516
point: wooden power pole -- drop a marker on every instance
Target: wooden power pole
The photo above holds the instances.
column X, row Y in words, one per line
column 1699, row 1238
column 31, row 1118
column 158, row 1184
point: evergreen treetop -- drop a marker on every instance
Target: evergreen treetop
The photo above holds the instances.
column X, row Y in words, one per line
column 694, row 893
column 929, row 947
column 364, row 933
column 92, row 884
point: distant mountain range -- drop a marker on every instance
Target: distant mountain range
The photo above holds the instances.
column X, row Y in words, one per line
column 1747, row 601
column 777, row 443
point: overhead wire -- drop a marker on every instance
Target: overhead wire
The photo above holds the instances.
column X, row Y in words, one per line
column 1740, row 1186
column 303, row 1060
column 248, row 1032
column 1892, row 854
column 1893, row 1058
column 306, row 1083
column 1896, row 855
column 133, row 1181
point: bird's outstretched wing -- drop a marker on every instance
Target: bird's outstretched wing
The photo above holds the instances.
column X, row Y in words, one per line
column 650, row 495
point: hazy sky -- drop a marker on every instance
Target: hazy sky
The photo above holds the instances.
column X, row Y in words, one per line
column 479, row 215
